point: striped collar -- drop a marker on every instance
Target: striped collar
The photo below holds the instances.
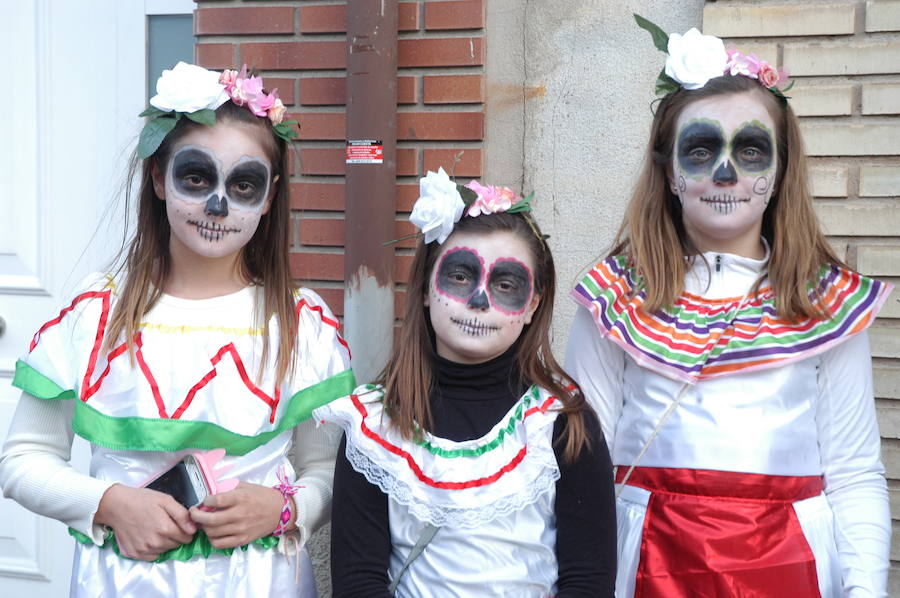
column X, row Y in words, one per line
column 704, row 337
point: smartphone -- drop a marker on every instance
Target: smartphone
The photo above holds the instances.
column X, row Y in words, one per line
column 185, row 482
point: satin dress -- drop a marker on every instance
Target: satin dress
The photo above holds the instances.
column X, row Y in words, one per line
column 194, row 386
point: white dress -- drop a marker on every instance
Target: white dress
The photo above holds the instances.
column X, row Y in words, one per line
column 758, row 397
column 492, row 498
column 195, row 384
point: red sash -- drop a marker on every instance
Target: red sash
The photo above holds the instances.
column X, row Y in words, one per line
column 717, row 534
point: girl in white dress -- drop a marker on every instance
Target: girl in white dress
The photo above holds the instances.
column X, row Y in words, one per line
column 200, row 340
column 476, row 469
column 723, row 345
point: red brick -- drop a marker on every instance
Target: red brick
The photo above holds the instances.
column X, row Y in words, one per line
column 407, row 90
column 469, row 165
column 461, row 14
column 452, row 51
column 285, row 87
column 319, row 196
column 317, row 266
column 323, row 19
column 322, row 160
column 399, row 304
column 407, row 161
column 408, row 16
column 454, row 89
column 322, row 231
column 292, row 160
column 332, row 91
column 323, row 91
column 333, row 18
column 440, row 126
column 322, row 125
column 295, row 55
column 402, row 266
column 215, row 56
column 333, row 298
column 406, row 197
column 404, row 228
column 245, row 20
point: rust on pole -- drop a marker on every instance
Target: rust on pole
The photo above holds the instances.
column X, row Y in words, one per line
column 371, row 172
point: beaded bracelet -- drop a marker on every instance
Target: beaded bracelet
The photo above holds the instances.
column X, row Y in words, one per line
column 287, row 491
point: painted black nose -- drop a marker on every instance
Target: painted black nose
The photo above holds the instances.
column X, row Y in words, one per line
column 479, row 301
column 725, row 174
column 216, row 206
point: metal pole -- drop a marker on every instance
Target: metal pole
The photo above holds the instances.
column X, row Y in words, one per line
column 371, row 172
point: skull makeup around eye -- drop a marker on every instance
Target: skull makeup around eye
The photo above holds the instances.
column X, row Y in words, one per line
column 751, row 147
column 459, row 274
column 700, row 144
column 247, row 185
column 194, row 173
column 510, row 285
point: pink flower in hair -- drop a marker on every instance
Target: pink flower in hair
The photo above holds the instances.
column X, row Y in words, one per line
column 491, row 200
column 276, row 112
column 768, row 75
column 227, row 78
column 747, row 65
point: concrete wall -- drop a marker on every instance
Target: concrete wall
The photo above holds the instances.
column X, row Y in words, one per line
column 569, row 87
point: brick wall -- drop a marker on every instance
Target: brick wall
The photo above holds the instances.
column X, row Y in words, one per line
column 845, row 58
column 300, row 48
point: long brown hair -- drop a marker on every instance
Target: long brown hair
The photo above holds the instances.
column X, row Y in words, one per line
column 408, row 378
column 144, row 262
column 653, row 235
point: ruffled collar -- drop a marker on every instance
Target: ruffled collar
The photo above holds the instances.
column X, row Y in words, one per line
column 722, row 327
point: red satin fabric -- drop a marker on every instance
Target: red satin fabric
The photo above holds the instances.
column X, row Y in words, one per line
column 716, row 534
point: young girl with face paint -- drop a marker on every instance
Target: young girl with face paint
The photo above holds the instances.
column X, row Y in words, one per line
column 723, row 345
column 475, row 468
column 199, row 341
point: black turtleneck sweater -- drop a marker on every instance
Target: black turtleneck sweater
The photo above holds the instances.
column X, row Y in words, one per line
column 467, row 402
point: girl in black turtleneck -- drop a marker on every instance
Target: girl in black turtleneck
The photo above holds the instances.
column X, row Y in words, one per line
column 475, row 468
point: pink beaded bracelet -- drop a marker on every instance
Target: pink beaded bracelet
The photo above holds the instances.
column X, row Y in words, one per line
column 287, row 491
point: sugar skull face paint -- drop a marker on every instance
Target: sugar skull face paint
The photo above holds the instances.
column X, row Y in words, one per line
column 217, row 186
column 481, row 295
column 724, row 168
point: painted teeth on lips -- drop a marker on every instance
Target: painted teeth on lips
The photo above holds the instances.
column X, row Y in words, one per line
column 724, row 199
column 213, row 227
column 474, row 327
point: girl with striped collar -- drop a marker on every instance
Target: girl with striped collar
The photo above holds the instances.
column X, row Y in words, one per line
column 723, row 345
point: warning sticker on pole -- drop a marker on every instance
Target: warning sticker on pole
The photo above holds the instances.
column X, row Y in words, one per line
column 365, row 151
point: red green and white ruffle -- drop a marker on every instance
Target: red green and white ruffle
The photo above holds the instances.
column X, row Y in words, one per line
column 701, row 338
column 457, row 484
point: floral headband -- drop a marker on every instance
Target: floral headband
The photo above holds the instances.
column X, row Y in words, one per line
column 442, row 202
column 693, row 59
column 195, row 92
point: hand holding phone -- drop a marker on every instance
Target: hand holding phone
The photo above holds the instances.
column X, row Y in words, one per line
column 145, row 523
column 185, row 481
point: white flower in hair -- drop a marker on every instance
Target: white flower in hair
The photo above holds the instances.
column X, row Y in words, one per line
column 188, row 88
column 438, row 208
column 695, row 58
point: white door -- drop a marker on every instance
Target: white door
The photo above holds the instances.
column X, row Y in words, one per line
column 75, row 80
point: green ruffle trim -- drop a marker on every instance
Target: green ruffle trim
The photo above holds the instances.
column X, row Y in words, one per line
column 198, row 546
column 169, row 435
